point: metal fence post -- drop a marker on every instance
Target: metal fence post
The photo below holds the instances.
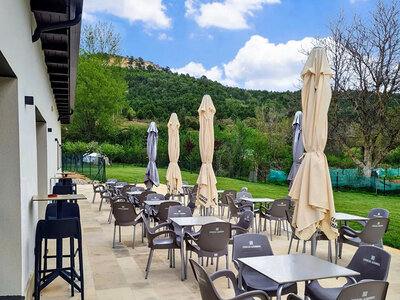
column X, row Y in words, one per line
column 384, row 186
column 337, row 181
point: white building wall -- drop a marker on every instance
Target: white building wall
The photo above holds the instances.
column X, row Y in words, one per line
column 27, row 61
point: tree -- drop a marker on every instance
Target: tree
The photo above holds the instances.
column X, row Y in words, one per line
column 365, row 58
column 100, row 38
column 100, row 98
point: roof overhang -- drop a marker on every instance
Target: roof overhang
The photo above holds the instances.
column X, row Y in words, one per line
column 59, row 28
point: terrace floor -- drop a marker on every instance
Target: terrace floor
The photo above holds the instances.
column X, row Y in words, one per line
column 119, row 273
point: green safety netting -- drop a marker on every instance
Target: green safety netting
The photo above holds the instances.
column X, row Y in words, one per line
column 277, row 176
column 354, row 178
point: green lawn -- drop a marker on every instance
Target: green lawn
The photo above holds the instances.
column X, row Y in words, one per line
column 358, row 203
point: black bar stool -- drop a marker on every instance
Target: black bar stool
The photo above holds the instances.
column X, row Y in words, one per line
column 59, row 229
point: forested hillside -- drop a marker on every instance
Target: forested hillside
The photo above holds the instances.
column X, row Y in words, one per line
column 156, row 94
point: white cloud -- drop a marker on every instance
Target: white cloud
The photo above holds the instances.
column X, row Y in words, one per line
column 88, row 17
column 150, row 12
column 198, row 70
column 164, row 37
column 259, row 64
column 229, row 14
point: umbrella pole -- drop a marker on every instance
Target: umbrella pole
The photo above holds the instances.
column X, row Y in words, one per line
column 313, row 243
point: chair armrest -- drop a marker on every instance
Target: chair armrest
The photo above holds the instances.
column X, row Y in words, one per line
column 248, row 295
column 163, row 225
column 162, row 232
column 246, row 205
column 190, row 236
column 228, row 274
column 352, row 231
column 294, row 297
column 239, row 229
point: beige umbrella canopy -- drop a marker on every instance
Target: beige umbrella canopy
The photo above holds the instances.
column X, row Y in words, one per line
column 312, row 188
column 174, row 177
column 207, row 189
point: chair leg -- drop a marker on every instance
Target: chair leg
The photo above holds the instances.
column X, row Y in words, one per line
column 72, row 264
column 149, row 263
column 115, row 228
column 134, row 236
column 340, row 249
column 227, row 267
column 216, row 265
column 329, row 251
column 119, row 234
column 304, row 246
column 290, row 244
column 287, row 229
column 297, row 247
column 336, row 250
column 81, row 269
column 270, row 229
column 110, row 217
column 101, row 203
column 94, row 197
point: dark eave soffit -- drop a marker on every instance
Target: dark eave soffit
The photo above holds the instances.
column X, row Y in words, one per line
column 59, row 27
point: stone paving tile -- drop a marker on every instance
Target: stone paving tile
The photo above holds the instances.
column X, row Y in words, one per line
column 119, row 273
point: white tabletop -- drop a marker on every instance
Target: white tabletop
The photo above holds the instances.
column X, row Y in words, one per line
column 195, row 221
column 258, row 200
column 220, row 191
column 58, row 197
column 349, row 217
column 155, row 202
column 134, row 193
column 295, row 267
column 187, row 185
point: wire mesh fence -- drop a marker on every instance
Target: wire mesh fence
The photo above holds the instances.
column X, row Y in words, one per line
column 388, row 180
column 91, row 167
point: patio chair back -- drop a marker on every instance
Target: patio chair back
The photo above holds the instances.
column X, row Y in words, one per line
column 192, row 202
column 123, row 183
column 279, row 207
column 143, row 196
column 179, row 211
column 69, row 210
column 124, row 213
column 374, row 230
column 243, row 194
column 111, row 180
column 127, row 188
column 207, row 288
column 137, row 189
column 155, row 197
column 250, row 245
column 214, row 237
column 233, row 208
column 163, row 210
column 371, row 262
column 246, row 219
column 369, row 289
column 243, row 189
column 378, row 213
column 230, row 193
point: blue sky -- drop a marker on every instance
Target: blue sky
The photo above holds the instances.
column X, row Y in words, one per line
column 246, row 43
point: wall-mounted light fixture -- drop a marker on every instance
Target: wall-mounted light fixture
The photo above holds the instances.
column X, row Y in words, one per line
column 28, row 100
column 49, row 129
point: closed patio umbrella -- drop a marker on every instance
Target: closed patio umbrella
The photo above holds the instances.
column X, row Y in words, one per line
column 151, row 176
column 312, row 188
column 174, row 177
column 207, row 189
column 298, row 148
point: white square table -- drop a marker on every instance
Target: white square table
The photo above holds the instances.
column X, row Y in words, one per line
column 189, row 222
column 291, row 268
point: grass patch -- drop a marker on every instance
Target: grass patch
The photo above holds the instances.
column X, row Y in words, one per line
column 353, row 202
